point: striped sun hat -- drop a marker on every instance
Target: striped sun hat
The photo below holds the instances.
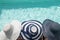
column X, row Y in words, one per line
column 32, row 30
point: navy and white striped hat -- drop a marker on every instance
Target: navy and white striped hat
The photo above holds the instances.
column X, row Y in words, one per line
column 32, row 30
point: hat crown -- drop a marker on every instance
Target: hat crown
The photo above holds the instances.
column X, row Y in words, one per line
column 32, row 29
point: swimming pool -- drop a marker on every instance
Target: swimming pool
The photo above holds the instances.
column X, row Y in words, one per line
column 22, row 14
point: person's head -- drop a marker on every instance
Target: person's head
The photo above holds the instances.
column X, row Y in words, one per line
column 12, row 30
column 31, row 30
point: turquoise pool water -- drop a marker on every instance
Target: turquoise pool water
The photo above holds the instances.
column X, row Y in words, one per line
column 22, row 14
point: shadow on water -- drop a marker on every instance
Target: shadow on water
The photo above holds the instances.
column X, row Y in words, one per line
column 44, row 4
column 27, row 4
